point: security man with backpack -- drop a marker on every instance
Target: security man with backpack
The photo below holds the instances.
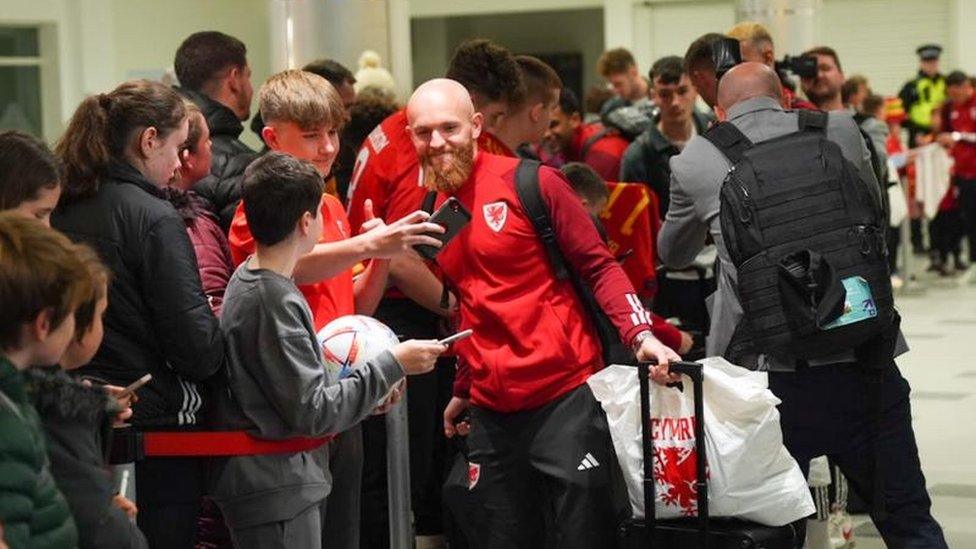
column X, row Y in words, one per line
column 804, row 292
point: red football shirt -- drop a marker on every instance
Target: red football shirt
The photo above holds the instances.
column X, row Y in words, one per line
column 328, row 299
column 603, row 155
column 533, row 340
column 962, row 118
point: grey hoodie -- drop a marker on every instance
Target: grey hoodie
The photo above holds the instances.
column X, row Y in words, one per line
column 278, row 388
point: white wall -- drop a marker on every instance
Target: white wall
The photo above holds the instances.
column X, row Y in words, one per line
column 662, row 29
column 877, row 38
column 568, row 31
column 100, row 43
column 95, row 44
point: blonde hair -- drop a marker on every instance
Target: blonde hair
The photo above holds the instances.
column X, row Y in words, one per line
column 752, row 32
column 303, row 98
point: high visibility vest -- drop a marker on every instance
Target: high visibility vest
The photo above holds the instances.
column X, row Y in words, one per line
column 931, row 95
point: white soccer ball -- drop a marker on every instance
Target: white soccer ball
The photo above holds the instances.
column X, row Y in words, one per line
column 349, row 342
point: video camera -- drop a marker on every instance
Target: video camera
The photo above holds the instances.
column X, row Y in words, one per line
column 804, row 66
column 725, row 55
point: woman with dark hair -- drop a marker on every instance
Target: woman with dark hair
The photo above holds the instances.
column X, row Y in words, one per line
column 30, row 176
column 120, row 149
column 208, row 239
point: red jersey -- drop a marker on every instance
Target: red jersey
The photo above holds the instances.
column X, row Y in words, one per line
column 328, row 299
column 533, row 340
column 962, row 118
column 603, row 154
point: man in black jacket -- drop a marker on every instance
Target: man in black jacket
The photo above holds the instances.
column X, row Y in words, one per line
column 646, row 159
column 213, row 72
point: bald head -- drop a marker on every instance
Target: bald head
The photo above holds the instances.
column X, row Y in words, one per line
column 443, row 127
column 746, row 81
column 440, row 94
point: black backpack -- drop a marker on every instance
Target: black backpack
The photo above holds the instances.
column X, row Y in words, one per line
column 807, row 236
column 527, row 188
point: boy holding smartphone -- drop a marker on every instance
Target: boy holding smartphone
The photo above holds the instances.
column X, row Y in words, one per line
column 279, row 387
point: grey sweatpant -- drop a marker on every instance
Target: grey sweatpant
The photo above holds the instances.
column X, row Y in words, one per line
column 304, row 530
column 340, row 510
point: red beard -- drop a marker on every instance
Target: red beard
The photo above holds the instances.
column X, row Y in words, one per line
column 452, row 176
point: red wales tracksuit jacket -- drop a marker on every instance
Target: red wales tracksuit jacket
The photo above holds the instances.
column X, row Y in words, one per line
column 533, row 341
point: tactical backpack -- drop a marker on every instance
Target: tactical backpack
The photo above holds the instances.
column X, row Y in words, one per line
column 807, row 237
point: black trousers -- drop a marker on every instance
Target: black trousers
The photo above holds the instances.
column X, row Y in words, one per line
column 427, row 395
column 946, row 232
column 825, row 410
column 546, row 477
column 967, row 202
column 168, row 492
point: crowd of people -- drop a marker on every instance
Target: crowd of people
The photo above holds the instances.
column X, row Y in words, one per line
column 153, row 240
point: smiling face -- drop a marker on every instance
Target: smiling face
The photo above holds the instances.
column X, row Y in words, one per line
column 559, row 136
column 318, row 145
column 444, row 128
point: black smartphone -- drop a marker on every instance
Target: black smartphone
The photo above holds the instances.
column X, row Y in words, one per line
column 453, row 217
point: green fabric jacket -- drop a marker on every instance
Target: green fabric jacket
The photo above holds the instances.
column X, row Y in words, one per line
column 33, row 512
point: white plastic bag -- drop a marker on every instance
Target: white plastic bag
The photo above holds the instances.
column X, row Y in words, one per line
column 751, row 474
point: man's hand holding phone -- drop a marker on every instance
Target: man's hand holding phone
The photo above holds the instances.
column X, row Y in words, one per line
column 451, row 217
column 386, row 241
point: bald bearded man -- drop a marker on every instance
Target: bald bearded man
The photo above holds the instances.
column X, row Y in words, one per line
column 539, row 448
column 824, row 409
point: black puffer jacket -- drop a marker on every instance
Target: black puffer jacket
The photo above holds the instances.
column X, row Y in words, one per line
column 77, row 424
column 647, row 159
column 222, row 188
column 158, row 320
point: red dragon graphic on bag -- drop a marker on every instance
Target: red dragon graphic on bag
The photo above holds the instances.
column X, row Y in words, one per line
column 675, row 462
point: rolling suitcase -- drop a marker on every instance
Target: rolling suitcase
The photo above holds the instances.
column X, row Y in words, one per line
column 701, row 532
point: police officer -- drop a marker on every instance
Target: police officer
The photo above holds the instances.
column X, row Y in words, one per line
column 923, row 95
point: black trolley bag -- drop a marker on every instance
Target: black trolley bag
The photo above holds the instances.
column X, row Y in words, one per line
column 701, row 532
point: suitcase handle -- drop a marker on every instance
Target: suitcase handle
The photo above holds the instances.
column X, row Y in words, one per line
column 695, row 372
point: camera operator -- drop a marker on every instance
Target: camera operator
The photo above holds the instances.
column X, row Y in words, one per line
column 756, row 44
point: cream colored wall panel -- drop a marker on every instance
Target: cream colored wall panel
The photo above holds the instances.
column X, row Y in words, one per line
column 449, row 8
column 877, row 38
column 434, row 39
column 669, row 28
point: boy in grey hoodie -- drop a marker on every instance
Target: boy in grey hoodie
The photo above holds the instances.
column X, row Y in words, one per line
column 278, row 387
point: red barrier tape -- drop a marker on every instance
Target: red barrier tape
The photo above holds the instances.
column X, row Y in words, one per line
column 223, row 443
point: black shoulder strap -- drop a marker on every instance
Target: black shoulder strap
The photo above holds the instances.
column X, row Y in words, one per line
column 729, row 140
column 812, row 120
column 429, row 200
column 527, row 188
column 588, row 144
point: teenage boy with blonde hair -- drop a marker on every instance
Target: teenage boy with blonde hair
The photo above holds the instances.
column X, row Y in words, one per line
column 303, row 118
